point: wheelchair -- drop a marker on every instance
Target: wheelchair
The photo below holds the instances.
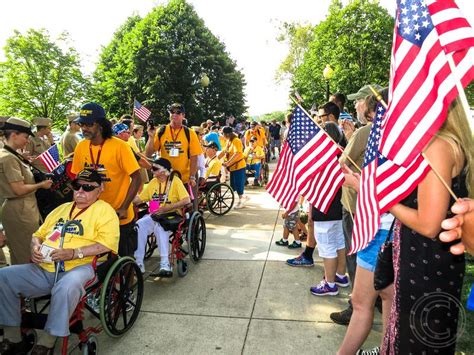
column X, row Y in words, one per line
column 217, row 197
column 114, row 296
column 264, row 174
column 188, row 227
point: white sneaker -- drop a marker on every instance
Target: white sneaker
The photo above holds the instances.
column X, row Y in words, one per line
column 238, row 205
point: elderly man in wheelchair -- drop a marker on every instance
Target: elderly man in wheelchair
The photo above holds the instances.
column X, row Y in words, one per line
column 68, row 252
column 166, row 195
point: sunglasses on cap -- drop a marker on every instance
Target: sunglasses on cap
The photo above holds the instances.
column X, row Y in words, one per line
column 176, row 112
column 85, row 187
column 82, row 124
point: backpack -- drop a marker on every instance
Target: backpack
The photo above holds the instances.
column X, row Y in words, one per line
column 162, row 129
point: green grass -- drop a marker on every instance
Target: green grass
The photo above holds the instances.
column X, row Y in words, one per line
column 465, row 343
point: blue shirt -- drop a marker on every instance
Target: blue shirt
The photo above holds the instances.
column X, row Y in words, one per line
column 213, row 137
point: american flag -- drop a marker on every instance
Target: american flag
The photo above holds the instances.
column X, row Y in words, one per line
column 383, row 184
column 427, row 33
column 141, row 111
column 306, row 154
column 50, row 158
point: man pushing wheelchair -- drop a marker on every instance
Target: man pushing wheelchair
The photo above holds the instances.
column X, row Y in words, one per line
column 71, row 252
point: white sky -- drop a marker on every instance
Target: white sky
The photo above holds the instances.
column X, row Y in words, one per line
column 247, row 27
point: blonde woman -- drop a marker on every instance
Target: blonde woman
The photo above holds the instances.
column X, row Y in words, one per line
column 426, row 273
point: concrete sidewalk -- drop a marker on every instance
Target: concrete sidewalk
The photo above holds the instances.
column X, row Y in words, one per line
column 240, row 299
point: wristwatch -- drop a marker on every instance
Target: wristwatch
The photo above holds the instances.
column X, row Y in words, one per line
column 80, row 254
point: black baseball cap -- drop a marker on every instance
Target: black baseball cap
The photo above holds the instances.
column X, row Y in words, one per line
column 176, row 106
column 90, row 176
column 227, row 130
column 165, row 163
column 212, row 145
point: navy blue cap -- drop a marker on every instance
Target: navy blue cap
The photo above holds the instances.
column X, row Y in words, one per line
column 91, row 113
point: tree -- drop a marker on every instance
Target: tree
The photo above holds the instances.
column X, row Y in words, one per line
column 39, row 78
column 161, row 58
column 297, row 37
column 356, row 41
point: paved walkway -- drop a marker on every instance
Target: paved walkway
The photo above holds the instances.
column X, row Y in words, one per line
column 240, row 299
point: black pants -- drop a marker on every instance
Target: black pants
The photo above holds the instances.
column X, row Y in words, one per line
column 351, row 260
column 128, row 239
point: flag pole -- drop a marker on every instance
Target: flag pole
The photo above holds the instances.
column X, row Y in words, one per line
column 321, row 128
column 438, row 175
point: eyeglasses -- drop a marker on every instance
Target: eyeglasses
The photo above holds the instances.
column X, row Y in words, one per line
column 82, row 124
column 85, row 187
column 176, row 112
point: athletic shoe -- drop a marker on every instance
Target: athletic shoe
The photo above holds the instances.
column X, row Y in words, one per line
column 294, row 245
column 238, row 205
column 342, row 281
column 323, row 289
column 142, row 267
column 342, row 317
column 300, row 261
column 374, row 351
column 7, row 347
column 282, row 242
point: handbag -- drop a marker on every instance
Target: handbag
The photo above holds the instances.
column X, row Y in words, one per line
column 384, row 273
column 169, row 221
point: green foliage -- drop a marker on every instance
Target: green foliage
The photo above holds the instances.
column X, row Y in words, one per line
column 298, row 38
column 268, row 117
column 161, row 58
column 40, row 78
column 356, row 41
column 470, row 94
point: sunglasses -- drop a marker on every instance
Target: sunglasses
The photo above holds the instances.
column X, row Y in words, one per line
column 81, row 124
column 176, row 112
column 85, row 187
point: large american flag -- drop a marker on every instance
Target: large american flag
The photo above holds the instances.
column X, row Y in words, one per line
column 50, row 158
column 383, row 184
column 141, row 111
column 427, row 33
column 306, row 155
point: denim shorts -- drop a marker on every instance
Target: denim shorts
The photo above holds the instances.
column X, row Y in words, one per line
column 367, row 258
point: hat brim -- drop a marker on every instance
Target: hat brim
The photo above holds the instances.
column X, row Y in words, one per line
column 88, row 120
column 16, row 127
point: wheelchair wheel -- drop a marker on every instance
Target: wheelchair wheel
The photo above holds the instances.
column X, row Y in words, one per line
column 30, row 337
column 220, row 199
column 196, row 236
column 91, row 347
column 182, row 267
column 150, row 246
column 121, row 297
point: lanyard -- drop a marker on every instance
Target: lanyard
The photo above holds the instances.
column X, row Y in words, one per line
column 159, row 187
column 72, row 218
column 173, row 137
column 94, row 163
column 209, row 161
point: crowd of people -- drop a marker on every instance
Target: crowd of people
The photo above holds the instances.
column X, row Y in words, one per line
column 111, row 170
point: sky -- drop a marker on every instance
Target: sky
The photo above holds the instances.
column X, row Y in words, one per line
column 248, row 28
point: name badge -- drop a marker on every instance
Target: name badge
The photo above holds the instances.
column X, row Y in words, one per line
column 174, row 152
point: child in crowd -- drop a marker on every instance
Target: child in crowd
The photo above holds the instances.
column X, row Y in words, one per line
column 290, row 225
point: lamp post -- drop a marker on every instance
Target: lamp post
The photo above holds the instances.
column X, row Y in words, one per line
column 328, row 72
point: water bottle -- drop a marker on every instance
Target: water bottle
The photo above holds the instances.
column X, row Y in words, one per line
column 470, row 300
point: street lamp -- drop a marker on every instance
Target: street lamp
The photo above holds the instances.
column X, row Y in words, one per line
column 328, row 72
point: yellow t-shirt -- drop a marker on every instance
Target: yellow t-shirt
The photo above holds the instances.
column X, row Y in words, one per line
column 258, row 133
column 177, row 139
column 251, row 155
column 156, row 191
column 213, row 167
column 117, row 162
column 132, row 142
column 101, row 225
column 235, row 147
